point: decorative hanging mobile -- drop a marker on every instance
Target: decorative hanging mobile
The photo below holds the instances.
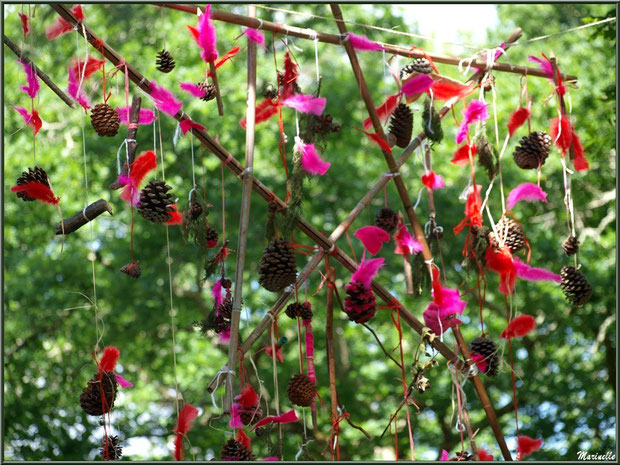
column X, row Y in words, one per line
column 165, row 61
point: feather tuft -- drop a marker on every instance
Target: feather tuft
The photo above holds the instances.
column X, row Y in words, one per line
column 25, row 26
column 528, row 192
column 109, row 358
column 384, row 111
column 122, row 381
column 502, row 263
column 147, row 116
column 372, row 237
column 193, row 89
column 31, row 119
column 363, row 43
column 32, row 87
column 61, row 26
column 207, row 39
column 89, row 67
column 527, row 446
column 287, row 417
column 188, row 124
column 37, row 191
column 461, row 156
column 433, row 180
column 164, row 99
column 519, row 326
column 440, row 312
column 561, row 132
column 175, row 216
column 235, row 417
column 517, row 119
column 244, row 439
column 146, row 161
column 417, row 85
column 184, row 425
column 447, row 90
column 264, row 111
column 406, row 244
column 530, row 273
column 580, row 163
column 306, row 103
column 75, row 91
column 377, row 139
column 367, row 270
column 311, row 160
column 248, row 397
column 216, row 292
column 475, row 111
column 254, row 35
column 228, row 56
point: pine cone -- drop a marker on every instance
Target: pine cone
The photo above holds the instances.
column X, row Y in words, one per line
column 212, row 237
column 250, row 416
column 155, row 202
column 298, row 309
column 462, row 456
column 325, row 124
column 90, row 399
column 225, row 309
column 360, row 303
column 35, row 174
column 532, row 150
column 132, row 269
column 511, row 232
column 575, row 286
column 165, row 62
column 210, row 91
column 301, row 390
column 195, row 210
column 277, row 268
column 570, row 245
column 419, row 65
column 234, row 451
column 114, row 450
column 487, row 348
column 401, row 125
column 431, row 123
column 386, row 219
column 105, row 120
column 269, row 92
column 226, row 283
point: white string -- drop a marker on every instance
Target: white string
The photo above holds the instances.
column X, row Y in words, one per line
column 177, row 135
column 419, row 197
column 191, row 141
column 316, row 57
column 223, row 370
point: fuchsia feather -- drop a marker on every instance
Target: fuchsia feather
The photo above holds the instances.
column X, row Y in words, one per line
column 406, row 244
column 141, row 166
column 545, row 65
column 235, row 417
column 61, row 26
column 25, row 26
column 31, row 119
column 310, row 349
column 110, row 356
column 445, row 456
column 529, row 273
column 254, row 35
column 193, row 89
column 224, row 337
column 287, row 417
column 363, row 43
column 527, row 192
column 147, row 116
column 475, row 111
column 519, row 326
column 440, row 312
column 32, row 89
column 184, row 425
column 75, row 91
column 306, row 103
column 480, row 361
column 417, row 85
column 216, row 292
column 527, row 446
column 207, row 39
column 311, row 160
column 517, row 118
column 164, row 99
column 433, row 180
column 372, row 237
column 384, row 111
column 367, row 270
column 188, row 124
column 122, row 381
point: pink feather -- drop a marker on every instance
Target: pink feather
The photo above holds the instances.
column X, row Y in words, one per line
column 75, row 92
column 271, row 459
column 440, row 312
column 417, row 85
column 193, row 89
column 235, row 418
column 372, row 237
column 306, row 103
column 287, row 417
column 529, row 273
column 207, row 39
column 254, row 35
column 475, row 111
column 122, row 381
column 311, row 161
column 216, row 292
column 147, row 116
column 545, row 65
column 528, row 192
column 406, row 244
column 433, row 180
column 32, row 120
column 362, row 43
column 224, row 337
column 310, row 349
column 445, row 456
column 188, row 124
column 480, row 361
column 367, row 270
column 32, row 89
column 164, row 99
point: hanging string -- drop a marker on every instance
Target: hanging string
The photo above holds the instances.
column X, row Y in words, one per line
column 275, row 380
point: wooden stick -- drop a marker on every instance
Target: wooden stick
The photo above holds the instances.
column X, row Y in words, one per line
column 329, row 344
column 44, row 77
column 132, row 144
column 218, row 96
column 335, row 39
column 244, row 220
column 85, row 216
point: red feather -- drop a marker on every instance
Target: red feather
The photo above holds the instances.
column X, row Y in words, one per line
column 485, row 455
column 384, row 111
column 580, row 163
column 61, row 26
column 446, row 90
column 146, row 161
column 188, row 124
column 25, row 26
column 194, row 32
column 175, row 216
column 565, row 131
column 91, row 66
column 184, row 424
column 527, row 446
column 377, row 139
column 461, row 156
column 109, row 358
column 291, row 72
column 229, row 55
column 519, row 327
column 243, row 439
column 473, row 216
column 37, row 191
column 179, row 451
column 264, row 111
column 501, row 262
column 518, row 117
column 248, row 398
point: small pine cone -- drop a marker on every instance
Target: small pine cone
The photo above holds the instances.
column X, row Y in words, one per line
column 277, row 268
column 155, row 202
column 532, row 150
column 386, row 219
column 298, row 309
column 401, row 125
column 105, row 120
column 35, row 174
column 487, row 348
column 511, row 232
column 360, row 303
column 111, row 450
column 570, row 245
column 270, row 92
column 212, row 237
column 225, row 308
column 165, row 62
column 219, row 323
column 250, row 416
column 226, row 283
column 575, row 286
column 419, row 65
column 90, row 399
column 301, row 390
column 195, row 210
column 234, row 451
column 462, row 456
column 132, row 269
column 210, row 91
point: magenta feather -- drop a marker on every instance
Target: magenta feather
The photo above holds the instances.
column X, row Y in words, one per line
column 216, row 292
column 254, row 35
column 367, row 270
column 372, row 237
column 406, row 244
column 164, row 99
column 122, row 381
column 363, row 43
column 440, row 312
column 32, row 89
column 193, row 89
column 147, row 116
column 311, row 160
column 306, row 103
column 545, row 65
column 417, row 85
column 207, row 39
column 235, row 417
column 74, row 90
column 224, row 337
column 475, row 111
column 529, row 273
column 528, row 192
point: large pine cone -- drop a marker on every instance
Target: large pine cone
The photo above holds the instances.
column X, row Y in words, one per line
column 401, row 125
column 165, row 62
column 299, row 309
column 301, row 390
column 419, row 65
column 570, row 246
column 532, row 150
column 386, row 219
column 105, row 120
column 210, row 91
column 360, row 303
column 234, row 451
column 277, row 268
column 90, row 399
column 487, row 348
column 155, row 202
column 35, row 174
column 114, row 450
column 511, row 232
column 575, row 286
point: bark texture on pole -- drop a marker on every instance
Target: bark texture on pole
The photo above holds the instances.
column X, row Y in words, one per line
column 132, row 144
column 85, row 216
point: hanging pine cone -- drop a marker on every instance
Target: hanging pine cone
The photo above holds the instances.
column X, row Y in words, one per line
column 195, row 210
column 487, row 348
column 301, row 390
column 234, row 451
column 155, row 202
column 225, row 308
column 360, row 303
column 575, row 286
column 431, row 123
column 210, row 91
column 532, row 150
column 35, row 174
column 462, row 456
column 132, row 269
column 511, row 232
column 386, row 219
column 90, row 399
column 212, row 237
column 105, row 120
column 419, row 65
column 325, row 124
column 570, row 245
column 277, row 268
column 250, row 416
column 114, row 450
column 299, row 309
column 401, row 125
column 165, row 62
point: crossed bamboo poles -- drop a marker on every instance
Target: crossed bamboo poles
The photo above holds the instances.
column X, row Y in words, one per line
column 327, row 245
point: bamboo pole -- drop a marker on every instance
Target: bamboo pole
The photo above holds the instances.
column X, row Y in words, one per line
column 335, row 39
column 218, row 94
column 329, row 344
column 44, row 77
column 132, row 143
column 244, row 221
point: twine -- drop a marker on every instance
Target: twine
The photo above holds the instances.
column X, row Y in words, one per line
column 223, row 370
